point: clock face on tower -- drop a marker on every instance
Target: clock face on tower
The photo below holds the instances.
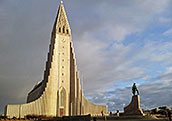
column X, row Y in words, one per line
column 63, row 40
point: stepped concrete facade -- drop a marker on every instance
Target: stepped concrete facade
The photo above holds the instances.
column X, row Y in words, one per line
column 134, row 107
column 60, row 92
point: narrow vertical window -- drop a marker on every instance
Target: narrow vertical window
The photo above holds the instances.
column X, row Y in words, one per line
column 62, row 98
column 59, row 29
column 67, row 31
column 63, row 29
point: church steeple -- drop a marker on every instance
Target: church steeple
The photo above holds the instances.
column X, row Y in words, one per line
column 61, row 24
column 59, row 94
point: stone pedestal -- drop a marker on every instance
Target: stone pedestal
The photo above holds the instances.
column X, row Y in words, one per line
column 134, row 107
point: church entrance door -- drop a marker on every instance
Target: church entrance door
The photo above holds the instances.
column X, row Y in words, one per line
column 61, row 111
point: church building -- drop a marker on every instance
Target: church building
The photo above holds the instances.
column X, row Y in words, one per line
column 60, row 92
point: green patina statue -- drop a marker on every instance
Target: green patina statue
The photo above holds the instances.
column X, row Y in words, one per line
column 134, row 89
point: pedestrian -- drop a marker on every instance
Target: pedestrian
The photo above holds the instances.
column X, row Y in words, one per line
column 94, row 118
column 169, row 114
column 117, row 113
column 110, row 113
column 102, row 113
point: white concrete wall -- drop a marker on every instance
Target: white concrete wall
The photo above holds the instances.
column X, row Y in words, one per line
column 93, row 109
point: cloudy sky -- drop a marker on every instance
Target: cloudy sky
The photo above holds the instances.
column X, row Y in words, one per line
column 117, row 43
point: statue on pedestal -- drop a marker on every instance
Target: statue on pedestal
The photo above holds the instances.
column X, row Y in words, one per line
column 134, row 89
column 134, row 107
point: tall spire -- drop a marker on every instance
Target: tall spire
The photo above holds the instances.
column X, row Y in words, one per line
column 61, row 24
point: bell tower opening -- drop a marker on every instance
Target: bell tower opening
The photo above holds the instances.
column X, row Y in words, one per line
column 63, row 29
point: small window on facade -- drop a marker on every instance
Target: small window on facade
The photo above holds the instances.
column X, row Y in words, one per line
column 63, row 60
column 62, row 74
column 63, row 46
column 63, row 53
column 59, row 29
column 62, row 66
column 67, row 31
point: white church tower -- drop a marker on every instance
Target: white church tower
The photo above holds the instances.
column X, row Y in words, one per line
column 60, row 92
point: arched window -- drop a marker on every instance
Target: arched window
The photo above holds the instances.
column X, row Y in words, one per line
column 62, row 97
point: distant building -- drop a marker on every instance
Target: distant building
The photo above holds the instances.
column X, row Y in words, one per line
column 60, row 92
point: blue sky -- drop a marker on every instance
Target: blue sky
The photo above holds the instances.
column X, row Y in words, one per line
column 117, row 43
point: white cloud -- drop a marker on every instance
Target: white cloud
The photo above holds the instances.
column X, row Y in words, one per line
column 168, row 32
column 168, row 70
column 121, row 63
column 118, row 19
